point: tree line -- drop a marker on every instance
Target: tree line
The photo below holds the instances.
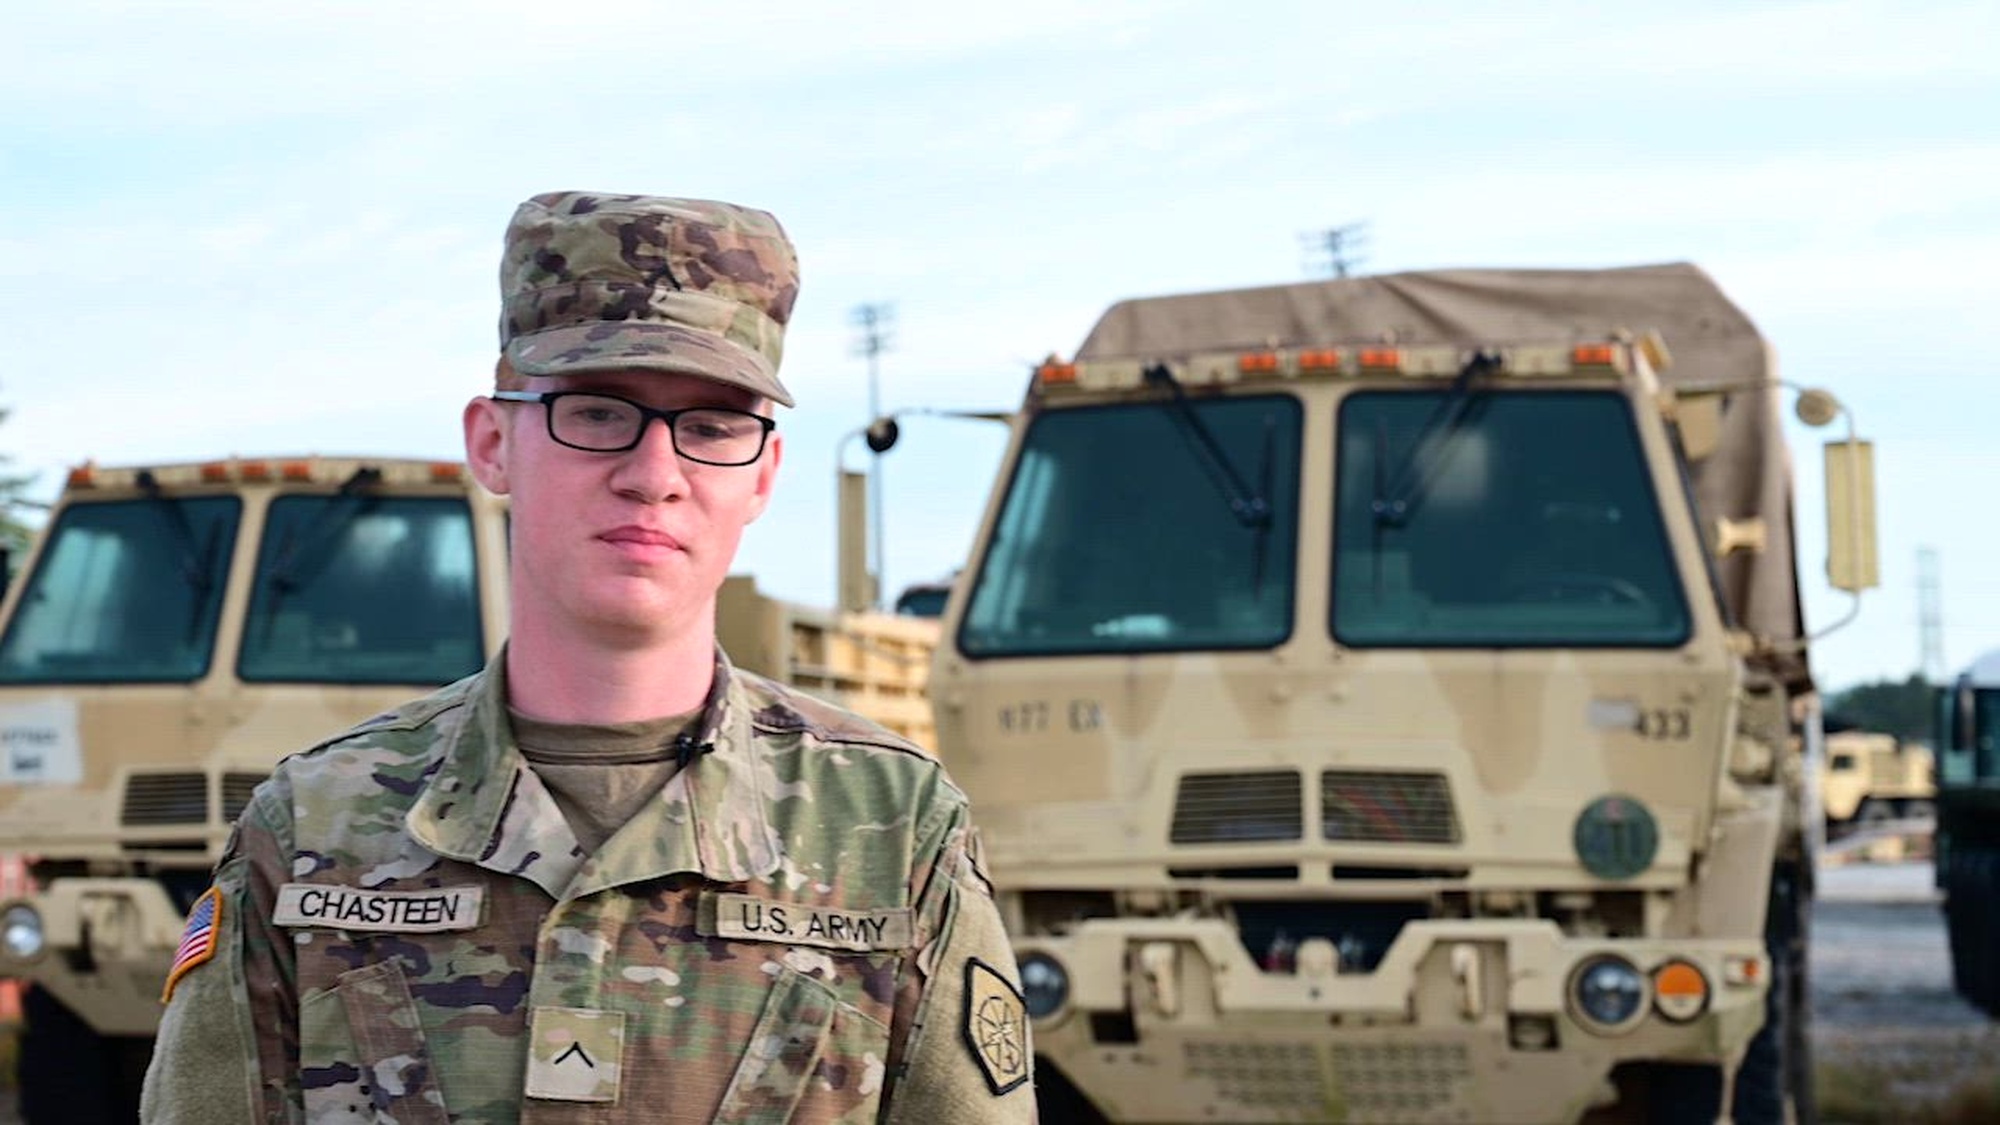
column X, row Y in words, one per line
column 16, row 534
column 1905, row 708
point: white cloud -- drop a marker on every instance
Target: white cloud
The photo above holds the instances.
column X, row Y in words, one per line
column 1812, row 44
column 241, row 61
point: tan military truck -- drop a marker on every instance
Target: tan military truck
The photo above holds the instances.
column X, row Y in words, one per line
column 179, row 627
column 1871, row 779
column 1384, row 700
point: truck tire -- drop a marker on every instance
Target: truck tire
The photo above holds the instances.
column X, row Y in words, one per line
column 1976, row 913
column 1058, row 1101
column 1777, row 1066
column 1873, row 813
column 1959, row 900
column 1982, row 879
column 69, row 1074
column 1681, row 1094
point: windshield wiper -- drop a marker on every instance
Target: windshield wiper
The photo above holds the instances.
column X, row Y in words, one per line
column 193, row 560
column 295, row 567
column 1248, row 506
column 1397, row 498
column 197, row 559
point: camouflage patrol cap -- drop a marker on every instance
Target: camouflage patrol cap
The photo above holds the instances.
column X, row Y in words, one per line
column 598, row 282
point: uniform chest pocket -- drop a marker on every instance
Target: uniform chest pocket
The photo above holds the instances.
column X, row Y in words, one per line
column 811, row 1058
column 362, row 1054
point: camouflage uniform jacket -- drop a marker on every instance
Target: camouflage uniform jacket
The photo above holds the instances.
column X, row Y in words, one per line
column 796, row 929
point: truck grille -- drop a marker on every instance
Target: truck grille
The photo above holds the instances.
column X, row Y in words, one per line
column 236, row 790
column 165, row 798
column 1232, row 808
column 182, row 798
column 1271, row 1076
column 1382, row 807
column 1391, row 1082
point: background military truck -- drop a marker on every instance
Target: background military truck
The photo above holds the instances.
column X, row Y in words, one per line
column 180, row 627
column 1967, row 855
column 1385, row 699
column 1872, row 778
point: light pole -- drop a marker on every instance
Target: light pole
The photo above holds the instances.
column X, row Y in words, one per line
column 875, row 322
column 859, row 585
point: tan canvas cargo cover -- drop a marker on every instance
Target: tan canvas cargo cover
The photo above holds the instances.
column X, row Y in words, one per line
column 1711, row 341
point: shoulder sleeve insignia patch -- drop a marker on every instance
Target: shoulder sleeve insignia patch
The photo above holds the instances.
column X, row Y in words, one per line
column 996, row 1026
column 197, row 941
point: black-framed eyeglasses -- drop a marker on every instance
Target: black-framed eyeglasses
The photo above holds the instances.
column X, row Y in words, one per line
column 601, row 423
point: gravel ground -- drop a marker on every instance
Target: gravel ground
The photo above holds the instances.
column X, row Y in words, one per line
column 1884, row 1013
column 1878, row 951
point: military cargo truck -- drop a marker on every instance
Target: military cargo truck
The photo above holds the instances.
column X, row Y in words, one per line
column 1871, row 779
column 1386, row 699
column 1967, row 856
column 180, row 627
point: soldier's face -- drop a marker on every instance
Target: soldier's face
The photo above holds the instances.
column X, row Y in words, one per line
column 632, row 543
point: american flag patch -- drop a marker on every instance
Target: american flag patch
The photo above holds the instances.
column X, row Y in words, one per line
column 197, row 942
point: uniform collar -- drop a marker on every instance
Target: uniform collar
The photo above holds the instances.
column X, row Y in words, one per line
column 484, row 805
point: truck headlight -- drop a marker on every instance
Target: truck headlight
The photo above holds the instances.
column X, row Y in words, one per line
column 1608, row 994
column 1044, row 984
column 21, row 932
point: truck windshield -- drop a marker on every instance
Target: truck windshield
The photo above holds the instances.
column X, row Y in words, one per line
column 1970, row 735
column 359, row 589
column 1115, row 537
column 125, row 591
column 1536, row 526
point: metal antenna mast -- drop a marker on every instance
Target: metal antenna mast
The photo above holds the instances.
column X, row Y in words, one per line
column 1930, row 617
column 1334, row 248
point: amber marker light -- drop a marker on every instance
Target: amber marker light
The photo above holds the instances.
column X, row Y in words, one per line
column 254, row 470
column 83, row 476
column 1054, row 372
column 214, row 472
column 445, row 471
column 296, row 470
column 1594, row 355
column 1680, row 991
column 1257, row 363
column 1743, row 971
column 1381, row 359
column 1319, row 359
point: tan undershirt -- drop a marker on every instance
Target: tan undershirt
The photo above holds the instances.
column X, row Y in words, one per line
column 600, row 776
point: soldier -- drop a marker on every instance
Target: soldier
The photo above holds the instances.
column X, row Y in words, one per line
column 609, row 878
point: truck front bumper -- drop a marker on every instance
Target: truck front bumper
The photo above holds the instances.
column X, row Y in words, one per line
column 1169, row 1020
column 99, row 945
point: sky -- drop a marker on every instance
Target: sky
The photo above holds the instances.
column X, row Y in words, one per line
column 255, row 228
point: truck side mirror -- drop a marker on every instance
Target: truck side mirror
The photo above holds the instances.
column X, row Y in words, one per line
column 1851, row 563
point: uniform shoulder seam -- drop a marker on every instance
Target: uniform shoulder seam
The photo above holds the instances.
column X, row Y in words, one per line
column 411, row 716
column 787, row 713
